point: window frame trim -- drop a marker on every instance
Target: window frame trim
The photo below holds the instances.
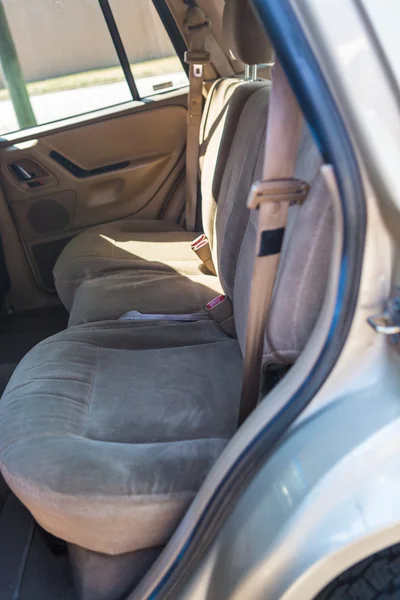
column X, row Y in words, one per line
column 113, row 30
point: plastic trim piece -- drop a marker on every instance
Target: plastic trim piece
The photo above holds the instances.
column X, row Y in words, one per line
column 80, row 173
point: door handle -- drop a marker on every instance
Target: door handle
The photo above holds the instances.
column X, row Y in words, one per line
column 30, row 174
column 21, row 173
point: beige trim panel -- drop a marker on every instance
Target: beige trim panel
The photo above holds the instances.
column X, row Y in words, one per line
column 152, row 141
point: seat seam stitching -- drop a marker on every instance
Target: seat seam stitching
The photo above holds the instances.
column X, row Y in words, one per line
column 61, row 434
column 86, row 420
column 155, row 498
column 146, row 349
column 36, row 437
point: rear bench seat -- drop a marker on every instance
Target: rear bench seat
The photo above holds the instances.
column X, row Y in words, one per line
column 158, row 246
column 108, row 429
column 172, row 287
column 112, row 269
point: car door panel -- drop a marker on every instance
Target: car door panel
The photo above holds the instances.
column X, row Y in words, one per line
column 120, row 167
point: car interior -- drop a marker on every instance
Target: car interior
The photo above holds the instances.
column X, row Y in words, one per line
column 123, row 326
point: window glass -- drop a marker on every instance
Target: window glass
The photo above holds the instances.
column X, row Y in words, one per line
column 154, row 63
column 57, row 58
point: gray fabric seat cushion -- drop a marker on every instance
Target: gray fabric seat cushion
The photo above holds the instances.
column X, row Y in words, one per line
column 149, row 292
column 107, row 430
column 118, row 247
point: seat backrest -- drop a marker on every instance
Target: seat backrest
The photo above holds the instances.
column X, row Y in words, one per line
column 222, row 112
column 224, row 106
column 241, row 171
column 303, row 268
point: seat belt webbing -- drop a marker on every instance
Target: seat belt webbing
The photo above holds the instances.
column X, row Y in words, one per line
column 197, row 26
column 135, row 315
column 271, row 197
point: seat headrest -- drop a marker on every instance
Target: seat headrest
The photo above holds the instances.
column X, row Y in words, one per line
column 244, row 34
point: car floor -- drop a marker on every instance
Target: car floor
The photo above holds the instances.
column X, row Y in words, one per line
column 21, row 332
column 30, row 565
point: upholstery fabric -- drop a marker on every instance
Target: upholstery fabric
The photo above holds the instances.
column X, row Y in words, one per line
column 101, row 577
column 112, row 249
column 298, row 300
column 108, row 430
column 109, row 297
column 245, row 35
column 222, row 114
column 303, row 268
column 242, row 170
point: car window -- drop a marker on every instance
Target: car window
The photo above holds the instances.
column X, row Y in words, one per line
column 153, row 60
column 60, row 58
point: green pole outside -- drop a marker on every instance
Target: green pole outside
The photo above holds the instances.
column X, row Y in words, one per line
column 13, row 74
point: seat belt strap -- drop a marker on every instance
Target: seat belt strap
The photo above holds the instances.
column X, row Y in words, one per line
column 135, row 315
column 197, row 26
column 271, row 198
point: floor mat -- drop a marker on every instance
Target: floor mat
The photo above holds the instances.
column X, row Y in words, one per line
column 21, row 332
column 28, row 569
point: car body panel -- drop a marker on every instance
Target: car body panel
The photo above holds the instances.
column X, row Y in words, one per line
column 328, row 497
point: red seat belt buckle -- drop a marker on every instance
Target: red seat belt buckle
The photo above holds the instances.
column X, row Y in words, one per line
column 199, row 242
column 215, row 302
column 220, row 310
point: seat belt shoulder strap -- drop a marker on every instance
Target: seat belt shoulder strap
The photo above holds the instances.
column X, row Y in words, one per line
column 271, row 198
column 196, row 57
